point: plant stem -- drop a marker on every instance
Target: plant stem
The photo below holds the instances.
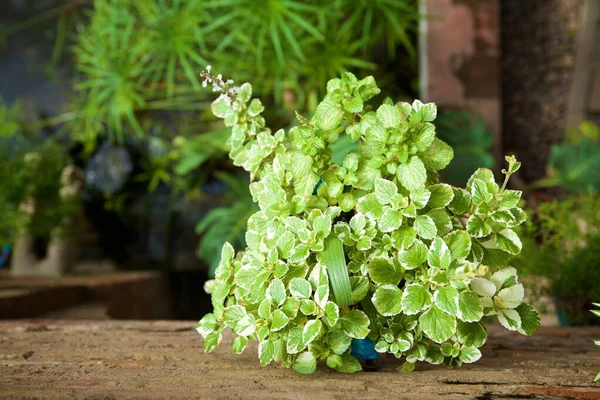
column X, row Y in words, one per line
column 501, row 190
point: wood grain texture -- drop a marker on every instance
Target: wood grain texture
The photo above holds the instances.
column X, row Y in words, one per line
column 160, row 359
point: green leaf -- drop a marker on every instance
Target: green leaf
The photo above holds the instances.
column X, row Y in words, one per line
column 480, row 192
column 471, row 333
column 239, row 344
column 469, row 355
column 300, row 288
column 425, row 136
column 403, row 237
column 412, row 175
column 483, row 174
column 266, row 352
column 461, row 202
column 207, row 325
column 390, row 220
column 508, row 199
column 420, row 197
column 382, row 271
column 299, row 254
column 508, row 241
column 439, row 255
column 389, row 116
column 354, row 105
column 446, row 298
column 308, row 307
column 331, row 313
column 311, row 330
column 328, row 116
column 495, row 258
column 264, row 309
column 301, row 167
column 530, row 319
column 279, row 320
column 415, row 299
column 232, row 314
column 478, row 227
column 425, row 227
column 305, row 363
column 349, row 365
column 428, row 111
column 512, row 297
column 212, row 341
column 369, row 206
column 255, row 107
column 437, row 156
column 437, row 325
column 334, row 361
column 245, row 326
column 360, row 288
column 221, row 108
column 510, row 319
column 294, row 342
column 375, row 134
column 356, row 324
column 276, row 292
column 338, row 341
column 334, row 259
column 414, row 256
column 387, row 300
column 483, row 287
column 441, row 195
column 442, row 221
column 459, row 243
column 385, row 190
column 470, row 308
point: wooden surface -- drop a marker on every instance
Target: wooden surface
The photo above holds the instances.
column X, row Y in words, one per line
column 128, row 359
column 124, row 295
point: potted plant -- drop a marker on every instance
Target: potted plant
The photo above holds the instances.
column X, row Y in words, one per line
column 373, row 248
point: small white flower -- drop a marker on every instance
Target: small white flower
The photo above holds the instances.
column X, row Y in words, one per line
column 208, row 68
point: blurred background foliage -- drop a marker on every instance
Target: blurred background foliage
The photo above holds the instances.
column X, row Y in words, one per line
column 472, row 141
column 136, row 86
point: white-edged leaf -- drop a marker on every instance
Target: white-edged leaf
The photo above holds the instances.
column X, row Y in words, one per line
column 437, row 325
column 415, row 298
column 412, row 175
column 387, row 300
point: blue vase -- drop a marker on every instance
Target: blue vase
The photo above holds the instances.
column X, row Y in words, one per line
column 364, row 349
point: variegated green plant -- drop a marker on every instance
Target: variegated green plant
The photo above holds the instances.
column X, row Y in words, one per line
column 379, row 249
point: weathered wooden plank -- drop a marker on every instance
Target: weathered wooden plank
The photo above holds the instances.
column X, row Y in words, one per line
column 117, row 359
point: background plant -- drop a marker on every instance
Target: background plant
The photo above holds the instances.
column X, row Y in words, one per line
column 134, row 64
column 560, row 242
column 31, row 179
column 471, row 140
column 375, row 247
column 574, row 163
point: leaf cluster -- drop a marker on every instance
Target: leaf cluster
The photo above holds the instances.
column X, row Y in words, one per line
column 373, row 247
